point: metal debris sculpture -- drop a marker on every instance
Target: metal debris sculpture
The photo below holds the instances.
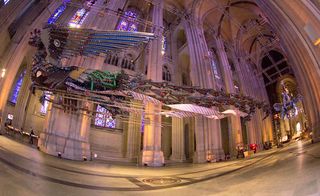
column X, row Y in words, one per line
column 113, row 89
column 288, row 106
column 66, row 42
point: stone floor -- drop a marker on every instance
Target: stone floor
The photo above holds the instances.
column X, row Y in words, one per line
column 292, row 170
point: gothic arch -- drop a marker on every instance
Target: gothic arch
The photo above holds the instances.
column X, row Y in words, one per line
column 166, row 73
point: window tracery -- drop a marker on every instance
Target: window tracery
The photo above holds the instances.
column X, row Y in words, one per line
column 128, row 62
column 104, row 118
column 166, row 74
column 128, row 23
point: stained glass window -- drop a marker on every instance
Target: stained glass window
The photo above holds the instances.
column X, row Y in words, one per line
column 128, row 23
column 78, row 18
column 6, row 1
column 132, row 27
column 17, row 87
column 164, row 45
column 44, row 107
column 104, row 118
column 215, row 69
column 214, row 65
column 123, row 25
column 57, row 13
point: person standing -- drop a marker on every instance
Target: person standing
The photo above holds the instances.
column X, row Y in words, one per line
column 31, row 135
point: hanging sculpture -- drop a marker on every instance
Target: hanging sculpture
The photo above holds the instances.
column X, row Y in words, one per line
column 113, row 89
column 288, row 107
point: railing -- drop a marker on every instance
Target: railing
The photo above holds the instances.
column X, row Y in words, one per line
column 21, row 135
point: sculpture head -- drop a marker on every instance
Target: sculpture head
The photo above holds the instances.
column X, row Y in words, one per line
column 39, row 59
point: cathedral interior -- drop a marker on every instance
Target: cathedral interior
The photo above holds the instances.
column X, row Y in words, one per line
column 158, row 85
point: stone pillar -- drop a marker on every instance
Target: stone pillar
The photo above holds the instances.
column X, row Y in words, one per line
column 152, row 154
column 178, row 147
column 217, row 140
column 66, row 133
column 208, row 139
column 235, row 132
column 247, row 77
column 134, row 133
column 155, row 57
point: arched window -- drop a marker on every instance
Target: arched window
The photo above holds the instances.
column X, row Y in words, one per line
column 78, row 18
column 81, row 14
column 128, row 23
column 215, row 69
column 166, row 74
column 163, row 45
column 44, row 106
column 127, row 62
column 104, row 118
column 15, row 92
column 214, row 66
column 57, row 13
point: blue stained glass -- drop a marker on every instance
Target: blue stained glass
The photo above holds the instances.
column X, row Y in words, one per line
column 6, row 1
column 104, row 118
column 128, row 22
column 131, row 16
column 123, row 25
column 57, row 13
column 17, row 87
column 132, row 27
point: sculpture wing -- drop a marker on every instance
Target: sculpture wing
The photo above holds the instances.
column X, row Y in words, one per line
column 64, row 42
column 277, row 107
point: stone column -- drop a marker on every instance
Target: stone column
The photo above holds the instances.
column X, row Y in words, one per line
column 152, row 154
column 178, row 147
column 235, row 128
column 134, row 133
column 155, row 59
column 66, row 133
column 257, row 91
column 208, row 139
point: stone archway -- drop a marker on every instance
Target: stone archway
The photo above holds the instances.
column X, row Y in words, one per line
column 288, row 19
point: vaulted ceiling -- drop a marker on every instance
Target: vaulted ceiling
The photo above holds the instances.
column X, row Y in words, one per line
column 240, row 23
